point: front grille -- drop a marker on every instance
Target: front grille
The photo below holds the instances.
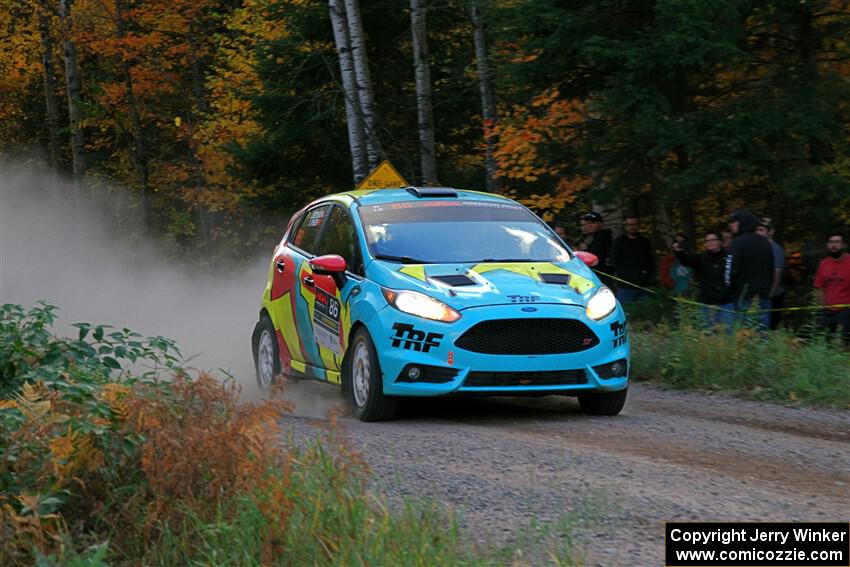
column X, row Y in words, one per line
column 552, row 378
column 528, row 336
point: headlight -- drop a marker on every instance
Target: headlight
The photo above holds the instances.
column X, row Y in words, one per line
column 601, row 304
column 420, row 305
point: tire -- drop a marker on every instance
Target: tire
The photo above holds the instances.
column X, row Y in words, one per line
column 606, row 403
column 364, row 383
column 266, row 356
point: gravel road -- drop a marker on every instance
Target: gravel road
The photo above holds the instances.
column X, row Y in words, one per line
column 670, row 456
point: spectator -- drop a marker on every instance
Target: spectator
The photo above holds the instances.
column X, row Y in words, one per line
column 675, row 276
column 709, row 270
column 749, row 266
column 634, row 261
column 777, row 292
column 726, row 239
column 561, row 232
column 833, row 278
column 597, row 240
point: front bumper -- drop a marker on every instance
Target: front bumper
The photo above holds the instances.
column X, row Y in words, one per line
column 402, row 340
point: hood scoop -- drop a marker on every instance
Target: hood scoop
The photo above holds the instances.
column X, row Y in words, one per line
column 560, row 279
column 454, row 280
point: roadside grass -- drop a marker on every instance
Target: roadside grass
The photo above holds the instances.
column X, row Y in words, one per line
column 775, row 366
column 104, row 465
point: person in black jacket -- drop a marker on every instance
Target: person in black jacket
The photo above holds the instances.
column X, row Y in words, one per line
column 597, row 241
column 633, row 261
column 709, row 270
column 749, row 266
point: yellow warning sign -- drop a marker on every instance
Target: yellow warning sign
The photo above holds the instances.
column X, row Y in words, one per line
column 383, row 177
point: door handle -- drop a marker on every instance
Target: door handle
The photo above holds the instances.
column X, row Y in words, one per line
column 308, row 281
column 280, row 265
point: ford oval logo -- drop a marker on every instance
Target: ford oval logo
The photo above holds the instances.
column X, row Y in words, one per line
column 529, row 309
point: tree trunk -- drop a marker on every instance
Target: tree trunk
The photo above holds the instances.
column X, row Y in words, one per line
column 51, row 105
column 140, row 155
column 365, row 94
column 425, row 108
column 198, row 108
column 356, row 136
column 72, row 81
column 488, row 91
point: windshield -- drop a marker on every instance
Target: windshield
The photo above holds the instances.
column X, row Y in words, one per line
column 444, row 232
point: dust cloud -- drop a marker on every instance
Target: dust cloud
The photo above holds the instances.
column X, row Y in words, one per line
column 87, row 257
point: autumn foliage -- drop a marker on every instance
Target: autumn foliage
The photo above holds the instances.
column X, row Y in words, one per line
column 100, row 464
column 83, row 454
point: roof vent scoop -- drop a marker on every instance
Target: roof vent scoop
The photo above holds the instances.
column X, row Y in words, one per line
column 432, row 192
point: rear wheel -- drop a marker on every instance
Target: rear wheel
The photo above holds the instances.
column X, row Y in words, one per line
column 605, row 403
column 265, row 354
column 365, row 386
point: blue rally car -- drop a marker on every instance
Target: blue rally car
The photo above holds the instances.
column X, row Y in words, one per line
column 435, row 291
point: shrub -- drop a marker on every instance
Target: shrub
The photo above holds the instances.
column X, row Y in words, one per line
column 100, row 465
column 776, row 365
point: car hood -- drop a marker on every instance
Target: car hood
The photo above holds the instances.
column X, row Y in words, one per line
column 466, row 285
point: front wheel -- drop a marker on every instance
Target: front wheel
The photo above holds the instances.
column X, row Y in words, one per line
column 605, row 403
column 265, row 354
column 365, row 386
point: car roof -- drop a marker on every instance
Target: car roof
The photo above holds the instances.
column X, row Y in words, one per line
column 378, row 196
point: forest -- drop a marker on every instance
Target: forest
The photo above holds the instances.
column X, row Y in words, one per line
column 221, row 117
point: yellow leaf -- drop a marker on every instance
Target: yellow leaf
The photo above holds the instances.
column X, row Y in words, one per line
column 792, row 396
column 177, row 121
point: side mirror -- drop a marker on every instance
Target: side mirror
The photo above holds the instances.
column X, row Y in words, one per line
column 586, row 257
column 330, row 265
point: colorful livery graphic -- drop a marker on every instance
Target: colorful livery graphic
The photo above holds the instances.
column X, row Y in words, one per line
column 437, row 291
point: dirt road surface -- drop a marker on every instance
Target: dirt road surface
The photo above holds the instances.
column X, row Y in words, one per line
column 670, row 456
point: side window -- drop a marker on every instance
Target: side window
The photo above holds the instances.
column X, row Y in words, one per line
column 304, row 237
column 341, row 238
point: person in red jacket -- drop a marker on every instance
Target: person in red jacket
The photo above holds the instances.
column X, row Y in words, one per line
column 833, row 279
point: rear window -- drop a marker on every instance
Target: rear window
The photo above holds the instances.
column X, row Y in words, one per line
column 304, row 236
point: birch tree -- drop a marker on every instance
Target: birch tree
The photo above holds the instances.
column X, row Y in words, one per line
column 72, row 83
column 356, row 135
column 49, row 74
column 365, row 93
column 424, row 105
column 488, row 93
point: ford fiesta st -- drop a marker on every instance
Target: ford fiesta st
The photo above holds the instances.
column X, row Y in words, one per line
column 436, row 291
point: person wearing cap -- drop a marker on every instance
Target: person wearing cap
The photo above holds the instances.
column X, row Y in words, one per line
column 833, row 279
column 749, row 267
column 777, row 292
column 597, row 241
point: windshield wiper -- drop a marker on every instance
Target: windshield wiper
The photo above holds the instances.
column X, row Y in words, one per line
column 507, row 260
column 402, row 259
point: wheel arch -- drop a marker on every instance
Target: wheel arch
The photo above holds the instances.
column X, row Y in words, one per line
column 255, row 338
column 344, row 366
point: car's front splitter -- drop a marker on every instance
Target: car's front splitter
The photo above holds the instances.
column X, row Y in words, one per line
column 403, row 341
